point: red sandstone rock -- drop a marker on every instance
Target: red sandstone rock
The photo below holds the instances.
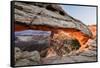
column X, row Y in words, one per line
column 93, row 29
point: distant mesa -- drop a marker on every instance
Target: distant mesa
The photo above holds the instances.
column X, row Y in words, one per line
column 32, row 32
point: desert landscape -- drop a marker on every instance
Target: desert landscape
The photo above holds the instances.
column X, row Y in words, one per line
column 46, row 34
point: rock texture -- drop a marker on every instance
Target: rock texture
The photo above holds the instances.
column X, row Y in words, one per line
column 49, row 15
column 23, row 58
column 88, row 55
column 62, row 44
column 62, row 35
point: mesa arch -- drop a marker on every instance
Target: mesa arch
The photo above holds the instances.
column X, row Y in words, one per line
column 49, row 17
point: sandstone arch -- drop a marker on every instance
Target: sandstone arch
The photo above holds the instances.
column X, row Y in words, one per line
column 54, row 18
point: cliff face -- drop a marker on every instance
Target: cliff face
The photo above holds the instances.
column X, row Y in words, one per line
column 49, row 17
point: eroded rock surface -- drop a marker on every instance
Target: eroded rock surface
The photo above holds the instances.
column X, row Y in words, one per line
column 23, row 58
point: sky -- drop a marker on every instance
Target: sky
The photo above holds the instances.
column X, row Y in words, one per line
column 85, row 14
